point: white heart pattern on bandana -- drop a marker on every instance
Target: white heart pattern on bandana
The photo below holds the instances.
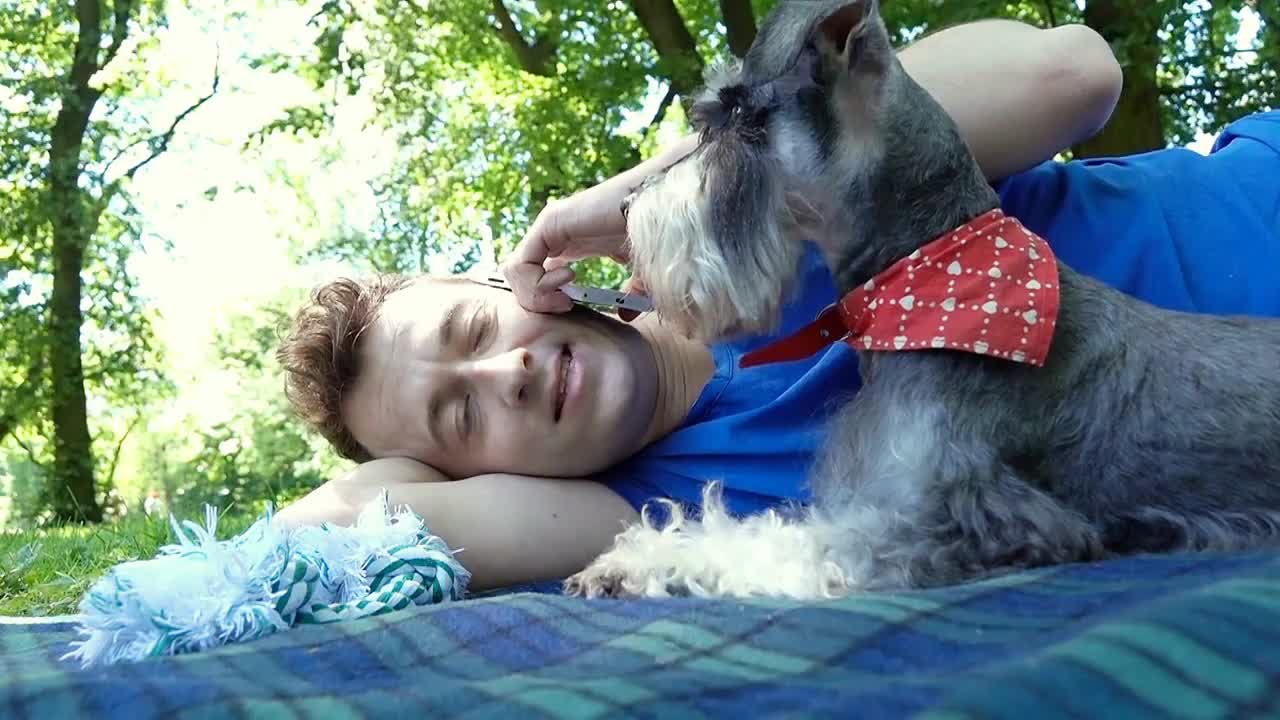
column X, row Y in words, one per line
column 1007, row 310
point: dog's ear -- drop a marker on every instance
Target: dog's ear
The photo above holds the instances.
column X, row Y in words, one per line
column 843, row 22
column 852, row 31
column 793, row 28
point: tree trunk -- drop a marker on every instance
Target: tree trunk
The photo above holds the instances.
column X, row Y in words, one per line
column 72, row 489
column 740, row 25
column 534, row 58
column 73, row 492
column 678, row 56
column 1136, row 125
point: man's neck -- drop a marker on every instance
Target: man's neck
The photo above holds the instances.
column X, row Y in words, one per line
column 684, row 368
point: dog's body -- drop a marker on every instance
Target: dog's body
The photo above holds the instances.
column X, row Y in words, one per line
column 1145, row 430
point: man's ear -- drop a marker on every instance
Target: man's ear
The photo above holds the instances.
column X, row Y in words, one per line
column 845, row 28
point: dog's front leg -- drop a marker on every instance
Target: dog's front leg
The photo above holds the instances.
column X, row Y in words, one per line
column 916, row 499
column 768, row 554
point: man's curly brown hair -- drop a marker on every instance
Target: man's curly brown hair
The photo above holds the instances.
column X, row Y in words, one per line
column 320, row 354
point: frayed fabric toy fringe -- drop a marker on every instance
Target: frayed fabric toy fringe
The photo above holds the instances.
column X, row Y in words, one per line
column 202, row 592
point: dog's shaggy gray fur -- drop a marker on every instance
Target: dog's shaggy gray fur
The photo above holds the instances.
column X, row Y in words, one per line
column 1146, row 430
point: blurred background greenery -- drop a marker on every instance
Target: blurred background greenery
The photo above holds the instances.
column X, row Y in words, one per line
column 175, row 175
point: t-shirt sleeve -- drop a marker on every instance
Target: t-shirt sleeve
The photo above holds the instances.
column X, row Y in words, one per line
column 1263, row 128
column 1173, row 227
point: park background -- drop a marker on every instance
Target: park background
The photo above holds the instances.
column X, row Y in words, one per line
column 174, row 177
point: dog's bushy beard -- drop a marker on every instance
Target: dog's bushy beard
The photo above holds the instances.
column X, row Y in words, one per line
column 711, row 237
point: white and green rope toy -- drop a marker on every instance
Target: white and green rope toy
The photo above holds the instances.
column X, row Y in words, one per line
column 203, row 592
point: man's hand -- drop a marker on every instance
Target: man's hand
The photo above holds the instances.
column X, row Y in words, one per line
column 589, row 223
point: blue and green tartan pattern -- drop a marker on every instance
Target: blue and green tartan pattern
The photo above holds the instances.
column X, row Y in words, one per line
column 1186, row 636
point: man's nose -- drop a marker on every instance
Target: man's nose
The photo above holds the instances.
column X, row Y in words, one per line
column 509, row 375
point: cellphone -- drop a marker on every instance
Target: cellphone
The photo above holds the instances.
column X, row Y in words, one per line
column 582, row 294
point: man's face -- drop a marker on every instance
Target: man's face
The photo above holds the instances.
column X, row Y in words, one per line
column 457, row 375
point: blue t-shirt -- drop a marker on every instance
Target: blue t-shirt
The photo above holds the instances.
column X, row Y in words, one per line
column 1173, row 227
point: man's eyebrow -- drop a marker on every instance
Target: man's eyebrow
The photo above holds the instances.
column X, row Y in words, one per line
column 433, row 419
column 449, row 324
column 445, row 335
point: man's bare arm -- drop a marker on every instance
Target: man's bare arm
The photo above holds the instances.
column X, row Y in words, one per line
column 1019, row 94
column 510, row 528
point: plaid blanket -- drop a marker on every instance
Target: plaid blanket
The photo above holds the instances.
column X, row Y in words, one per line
column 1179, row 636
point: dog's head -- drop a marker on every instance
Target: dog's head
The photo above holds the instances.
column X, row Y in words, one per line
column 802, row 140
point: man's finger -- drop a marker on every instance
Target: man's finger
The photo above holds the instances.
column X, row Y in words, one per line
column 553, row 279
column 635, row 285
column 558, row 261
column 523, row 268
column 535, row 291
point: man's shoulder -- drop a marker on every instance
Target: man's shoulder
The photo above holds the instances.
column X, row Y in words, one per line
column 1262, row 128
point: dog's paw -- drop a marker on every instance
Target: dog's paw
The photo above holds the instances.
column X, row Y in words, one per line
column 596, row 582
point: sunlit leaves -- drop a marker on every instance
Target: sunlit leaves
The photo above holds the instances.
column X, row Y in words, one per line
column 481, row 136
column 121, row 363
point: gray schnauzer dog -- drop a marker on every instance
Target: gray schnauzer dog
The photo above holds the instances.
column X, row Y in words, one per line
column 1136, row 430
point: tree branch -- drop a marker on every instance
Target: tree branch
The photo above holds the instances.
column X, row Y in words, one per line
column 740, row 25
column 78, row 98
column 85, row 62
column 677, row 50
column 14, row 414
column 1269, row 16
column 160, row 143
column 122, row 10
column 8, row 422
column 534, row 58
column 1053, row 16
column 662, row 111
column 115, row 455
column 31, row 455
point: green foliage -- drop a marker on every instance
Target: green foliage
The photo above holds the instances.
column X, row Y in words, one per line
column 493, row 118
column 47, row 571
column 258, row 452
column 493, row 125
column 484, row 143
column 38, row 85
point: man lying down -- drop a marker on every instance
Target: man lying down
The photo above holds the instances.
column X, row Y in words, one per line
column 530, row 432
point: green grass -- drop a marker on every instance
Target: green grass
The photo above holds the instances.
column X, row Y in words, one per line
column 46, row 572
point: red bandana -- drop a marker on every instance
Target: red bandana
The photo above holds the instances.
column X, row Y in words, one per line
column 989, row 287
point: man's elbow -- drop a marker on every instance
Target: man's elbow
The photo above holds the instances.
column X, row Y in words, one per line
column 1084, row 71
